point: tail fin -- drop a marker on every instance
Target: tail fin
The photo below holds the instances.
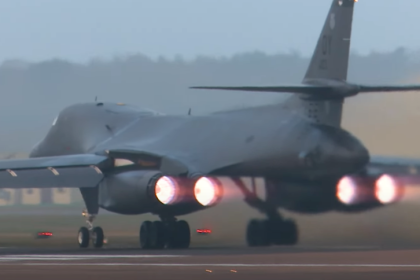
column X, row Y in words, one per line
column 331, row 57
column 321, row 96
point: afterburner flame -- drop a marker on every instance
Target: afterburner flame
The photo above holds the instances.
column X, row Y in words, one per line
column 347, row 190
column 166, row 189
column 207, row 191
column 386, row 189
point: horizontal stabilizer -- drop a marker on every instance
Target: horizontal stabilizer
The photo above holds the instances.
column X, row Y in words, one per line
column 286, row 88
column 366, row 88
column 72, row 171
column 322, row 89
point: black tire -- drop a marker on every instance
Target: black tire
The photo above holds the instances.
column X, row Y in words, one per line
column 290, row 232
column 83, row 237
column 276, row 233
column 157, row 235
column 251, row 233
column 145, row 234
column 264, row 233
column 98, row 237
column 183, row 235
column 171, row 235
column 178, row 235
column 257, row 233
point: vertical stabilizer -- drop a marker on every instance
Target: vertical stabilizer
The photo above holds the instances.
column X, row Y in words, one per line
column 331, row 57
column 321, row 96
column 330, row 62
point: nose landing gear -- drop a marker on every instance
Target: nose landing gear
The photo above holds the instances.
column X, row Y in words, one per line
column 90, row 233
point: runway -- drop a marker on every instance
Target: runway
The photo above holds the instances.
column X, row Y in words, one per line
column 218, row 263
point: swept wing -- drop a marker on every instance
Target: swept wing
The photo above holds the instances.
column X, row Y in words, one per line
column 69, row 171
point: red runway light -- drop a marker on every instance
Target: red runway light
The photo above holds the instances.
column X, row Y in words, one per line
column 203, row 231
column 44, row 234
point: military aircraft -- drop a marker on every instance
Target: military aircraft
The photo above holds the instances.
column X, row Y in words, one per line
column 133, row 161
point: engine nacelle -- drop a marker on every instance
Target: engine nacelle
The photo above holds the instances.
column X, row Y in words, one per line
column 359, row 191
column 129, row 192
column 143, row 191
column 348, row 194
column 302, row 197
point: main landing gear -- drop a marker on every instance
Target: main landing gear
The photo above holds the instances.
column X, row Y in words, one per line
column 168, row 233
column 272, row 231
column 90, row 233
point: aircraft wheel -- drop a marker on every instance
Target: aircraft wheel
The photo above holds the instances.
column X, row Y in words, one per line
column 179, row 235
column 257, row 233
column 98, row 237
column 290, row 232
column 157, row 235
column 251, row 233
column 183, row 234
column 83, row 237
column 284, row 233
column 145, row 235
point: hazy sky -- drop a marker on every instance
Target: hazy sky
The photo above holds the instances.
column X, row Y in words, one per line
column 81, row 29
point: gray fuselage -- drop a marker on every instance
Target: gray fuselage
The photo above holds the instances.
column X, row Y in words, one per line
column 266, row 141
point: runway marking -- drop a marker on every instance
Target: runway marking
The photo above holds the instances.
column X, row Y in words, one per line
column 40, row 259
column 78, row 257
column 96, row 256
column 338, row 247
column 227, row 265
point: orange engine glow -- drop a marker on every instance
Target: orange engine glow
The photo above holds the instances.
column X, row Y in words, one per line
column 207, row 191
column 347, row 191
column 387, row 189
column 166, row 190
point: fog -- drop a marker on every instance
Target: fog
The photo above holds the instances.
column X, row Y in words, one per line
column 34, row 93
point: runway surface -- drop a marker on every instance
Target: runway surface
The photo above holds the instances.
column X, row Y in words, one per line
column 213, row 263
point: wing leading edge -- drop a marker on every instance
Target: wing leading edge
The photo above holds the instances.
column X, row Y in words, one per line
column 395, row 165
column 70, row 171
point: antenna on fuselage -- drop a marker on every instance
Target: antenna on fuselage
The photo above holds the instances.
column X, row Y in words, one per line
column 96, row 98
column 189, row 112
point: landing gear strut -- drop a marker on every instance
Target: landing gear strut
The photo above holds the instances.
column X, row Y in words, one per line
column 275, row 230
column 168, row 233
column 90, row 233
